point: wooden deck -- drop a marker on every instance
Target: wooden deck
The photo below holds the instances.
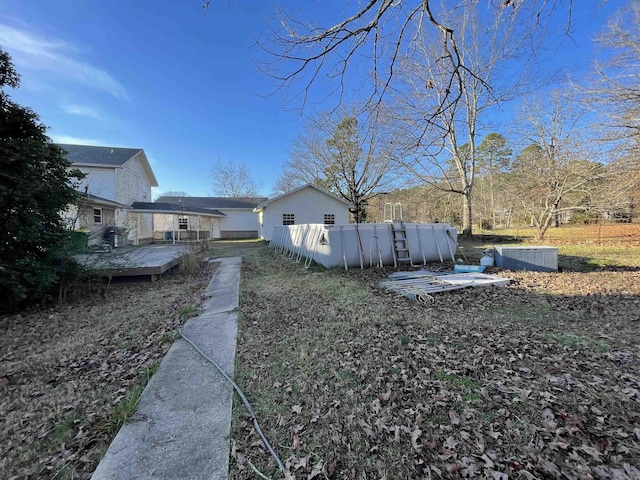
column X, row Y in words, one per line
column 148, row 260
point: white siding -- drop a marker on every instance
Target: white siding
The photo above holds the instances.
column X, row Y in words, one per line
column 239, row 220
column 132, row 184
column 164, row 223
column 144, row 227
column 261, row 220
column 101, row 182
column 122, row 218
column 238, row 223
column 86, row 218
column 307, row 205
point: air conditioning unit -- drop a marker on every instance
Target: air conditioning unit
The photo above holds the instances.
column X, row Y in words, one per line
column 538, row 259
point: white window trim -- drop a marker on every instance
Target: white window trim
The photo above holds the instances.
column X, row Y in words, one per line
column 292, row 218
column 100, row 215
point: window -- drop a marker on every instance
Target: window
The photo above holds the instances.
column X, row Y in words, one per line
column 329, row 219
column 288, row 219
column 97, row 216
column 183, row 223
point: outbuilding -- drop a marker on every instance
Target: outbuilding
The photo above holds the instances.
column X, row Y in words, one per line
column 304, row 205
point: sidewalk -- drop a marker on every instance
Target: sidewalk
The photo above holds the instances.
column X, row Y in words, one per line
column 182, row 422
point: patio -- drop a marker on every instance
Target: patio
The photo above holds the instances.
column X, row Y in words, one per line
column 148, row 260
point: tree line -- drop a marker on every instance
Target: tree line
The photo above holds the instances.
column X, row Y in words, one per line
column 440, row 76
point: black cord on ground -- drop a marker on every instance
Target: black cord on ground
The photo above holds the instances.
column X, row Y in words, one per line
column 244, row 400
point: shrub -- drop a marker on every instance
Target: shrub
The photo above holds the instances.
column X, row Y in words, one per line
column 36, row 185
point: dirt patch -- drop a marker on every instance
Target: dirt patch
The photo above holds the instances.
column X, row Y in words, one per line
column 539, row 379
column 70, row 375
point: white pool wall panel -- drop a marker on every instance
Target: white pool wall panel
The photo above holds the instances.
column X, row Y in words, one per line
column 531, row 258
column 339, row 246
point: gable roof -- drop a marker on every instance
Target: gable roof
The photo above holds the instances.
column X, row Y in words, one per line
column 171, row 208
column 95, row 156
column 92, row 155
column 295, row 190
column 215, row 202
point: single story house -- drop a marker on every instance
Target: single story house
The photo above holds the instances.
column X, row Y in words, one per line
column 206, row 217
column 176, row 222
column 306, row 204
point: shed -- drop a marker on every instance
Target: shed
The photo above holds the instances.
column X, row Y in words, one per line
column 304, row 205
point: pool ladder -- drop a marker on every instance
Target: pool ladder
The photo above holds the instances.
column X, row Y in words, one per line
column 401, row 243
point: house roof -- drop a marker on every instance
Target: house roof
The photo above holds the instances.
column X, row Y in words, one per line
column 215, row 202
column 103, row 202
column 308, row 185
column 95, row 156
column 172, row 208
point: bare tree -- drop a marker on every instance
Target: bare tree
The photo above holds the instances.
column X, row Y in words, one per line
column 173, row 193
column 441, row 104
column 345, row 155
column 284, row 184
column 233, row 180
column 614, row 90
column 618, row 195
column 613, row 93
column 307, row 158
column 376, row 36
column 557, row 162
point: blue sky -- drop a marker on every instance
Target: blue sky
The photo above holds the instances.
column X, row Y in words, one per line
column 184, row 86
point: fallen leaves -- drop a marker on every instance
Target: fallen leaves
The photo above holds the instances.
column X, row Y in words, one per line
column 536, row 380
column 64, row 369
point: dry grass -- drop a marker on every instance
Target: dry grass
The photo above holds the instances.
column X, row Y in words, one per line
column 536, row 380
column 594, row 234
column 71, row 375
column 580, row 247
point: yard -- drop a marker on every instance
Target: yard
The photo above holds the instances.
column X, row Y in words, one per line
column 539, row 379
column 535, row 380
column 71, row 374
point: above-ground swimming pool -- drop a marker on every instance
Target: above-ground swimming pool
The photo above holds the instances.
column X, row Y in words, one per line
column 365, row 244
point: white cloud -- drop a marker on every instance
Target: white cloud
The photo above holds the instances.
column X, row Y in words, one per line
column 68, row 139
column 81, row 110
column 55, row 56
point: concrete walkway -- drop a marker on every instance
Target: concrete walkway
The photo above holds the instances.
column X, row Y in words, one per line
column 182, row 424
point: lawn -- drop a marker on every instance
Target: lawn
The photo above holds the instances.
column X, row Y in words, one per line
column 539, row 379
column 580, row 247
column 70, row 375
column 536, row 380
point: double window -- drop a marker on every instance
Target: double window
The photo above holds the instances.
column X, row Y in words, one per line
column 183, row 223
column 288, row 219
column 329, row 219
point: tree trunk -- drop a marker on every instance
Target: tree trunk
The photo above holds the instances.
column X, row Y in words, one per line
column 549, row 218
column 467, row 226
